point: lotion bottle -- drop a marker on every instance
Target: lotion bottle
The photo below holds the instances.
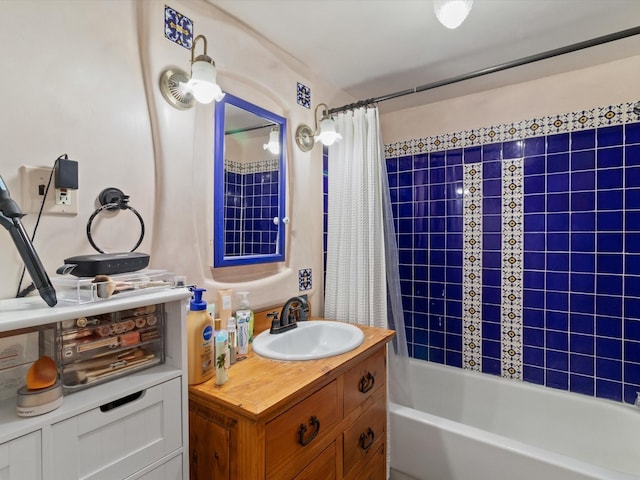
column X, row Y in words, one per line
column 233, row 344
column 222, row 353
column 200, row 347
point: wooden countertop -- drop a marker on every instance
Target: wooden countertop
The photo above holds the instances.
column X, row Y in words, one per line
column 258, row 385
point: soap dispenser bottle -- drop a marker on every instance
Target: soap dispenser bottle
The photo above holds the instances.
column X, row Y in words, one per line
column 245, row 312
column 200, row 346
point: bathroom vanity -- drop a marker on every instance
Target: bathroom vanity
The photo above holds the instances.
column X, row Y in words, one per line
column 316, row 419
column 132, row 425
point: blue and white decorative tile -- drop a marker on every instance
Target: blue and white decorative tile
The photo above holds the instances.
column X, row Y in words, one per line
column 421, row 145
column 511, row 311
column 472, row 268
column 177, row 27
column 630, row 113
column 472, row 138
column 583, row 119
column 492, row 134
column 534, row 128
column 304, row 95
column 558, row 123
column 611, row 115
column 304, row 279
column 514, row 131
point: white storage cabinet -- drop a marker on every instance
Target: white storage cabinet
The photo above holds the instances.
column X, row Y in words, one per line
column 134, row 427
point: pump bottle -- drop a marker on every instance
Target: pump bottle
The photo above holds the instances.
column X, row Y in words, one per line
column 200, row 346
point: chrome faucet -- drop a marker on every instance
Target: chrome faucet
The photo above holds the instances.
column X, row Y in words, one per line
column 637, row 402
column 296, row 309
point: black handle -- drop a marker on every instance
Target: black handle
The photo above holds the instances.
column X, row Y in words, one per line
column 121, row 401
column 366, row 383
column 367, row 439
column 314, row 422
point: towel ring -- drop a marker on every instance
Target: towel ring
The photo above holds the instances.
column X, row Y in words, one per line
column 113, row 199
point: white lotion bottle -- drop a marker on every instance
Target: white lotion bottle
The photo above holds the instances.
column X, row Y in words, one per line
column 243, row 334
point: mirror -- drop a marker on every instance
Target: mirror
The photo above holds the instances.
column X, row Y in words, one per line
column 249, row 184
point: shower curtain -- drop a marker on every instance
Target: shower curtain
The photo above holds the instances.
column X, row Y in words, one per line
column 362, row 279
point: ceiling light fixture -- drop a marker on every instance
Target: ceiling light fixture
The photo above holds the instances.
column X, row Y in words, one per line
column 325, row 132
column 181, row 91
column 451, row 13
column 273, row 145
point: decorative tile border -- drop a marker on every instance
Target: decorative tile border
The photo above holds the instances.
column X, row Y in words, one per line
column 512, row 268
column 177, row 27
column 269, row 165
column 566, row 122
column 472, row 268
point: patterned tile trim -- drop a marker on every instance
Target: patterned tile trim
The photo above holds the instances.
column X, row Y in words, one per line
column 512, row 268
column 177, row 27
column 269, row 165
column 472, row 268
column 535, row 127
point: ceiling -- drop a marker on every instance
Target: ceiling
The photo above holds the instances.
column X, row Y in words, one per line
column 372, row 48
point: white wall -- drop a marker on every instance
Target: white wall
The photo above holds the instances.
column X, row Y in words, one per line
column 82, row 78
column 606, row 84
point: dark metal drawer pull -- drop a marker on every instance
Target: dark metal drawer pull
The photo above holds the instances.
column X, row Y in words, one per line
column 315, row 423
column 370, row 436
column 366, row 383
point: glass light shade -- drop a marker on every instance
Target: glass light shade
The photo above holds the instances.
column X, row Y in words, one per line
column 203, row 82
column 451, row 13
column 327, row 134
column 273, row 145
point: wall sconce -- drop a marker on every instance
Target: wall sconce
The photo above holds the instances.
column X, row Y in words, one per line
column 451, row 13
column 273, row 145
column 325, row 133
column 182, row 91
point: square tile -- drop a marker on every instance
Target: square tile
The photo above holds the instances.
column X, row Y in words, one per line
column 303, row 95
column 178, row 28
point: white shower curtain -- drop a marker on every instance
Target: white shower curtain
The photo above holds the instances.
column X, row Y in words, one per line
column 362, row 279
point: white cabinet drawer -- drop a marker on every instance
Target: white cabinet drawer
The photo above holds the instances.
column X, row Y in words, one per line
column 20, row 458
column 169, row 470
column 117, row 439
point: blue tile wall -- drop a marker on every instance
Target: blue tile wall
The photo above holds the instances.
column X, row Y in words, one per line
column 581, row 279
column 251, row 203
column 581, row 246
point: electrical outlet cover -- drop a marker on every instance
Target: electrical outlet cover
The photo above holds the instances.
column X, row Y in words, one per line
column 32, row 178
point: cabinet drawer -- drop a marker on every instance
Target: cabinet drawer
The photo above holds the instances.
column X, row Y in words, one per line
column 374, row 469
column 20, row 458
column 323, row 466
column 294, row 438
column 362, row 437
column 121, row 437
column 363, row 380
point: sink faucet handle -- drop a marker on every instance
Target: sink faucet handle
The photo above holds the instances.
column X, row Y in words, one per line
column 275, row 321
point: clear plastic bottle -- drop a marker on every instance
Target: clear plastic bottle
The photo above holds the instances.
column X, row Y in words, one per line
column 246, row 312
column 200, row 346
column 233, row 339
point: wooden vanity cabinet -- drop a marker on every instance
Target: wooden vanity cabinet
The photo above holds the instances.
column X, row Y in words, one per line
column 316, row 420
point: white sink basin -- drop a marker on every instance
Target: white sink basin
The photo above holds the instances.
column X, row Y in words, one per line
column 310, row 340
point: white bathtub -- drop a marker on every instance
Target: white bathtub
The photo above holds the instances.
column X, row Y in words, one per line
column 470, row 426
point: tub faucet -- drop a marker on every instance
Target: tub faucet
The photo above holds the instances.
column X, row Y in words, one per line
column 637, row 402
column 288, row 319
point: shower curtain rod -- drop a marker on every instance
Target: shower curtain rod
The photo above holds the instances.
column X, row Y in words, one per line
column 496, row 68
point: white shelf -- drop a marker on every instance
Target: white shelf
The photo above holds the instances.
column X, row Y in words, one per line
column 16, row 313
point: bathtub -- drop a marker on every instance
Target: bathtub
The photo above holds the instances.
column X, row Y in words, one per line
column 470, row 426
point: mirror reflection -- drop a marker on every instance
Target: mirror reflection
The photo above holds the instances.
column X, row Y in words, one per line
column 249, row 201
